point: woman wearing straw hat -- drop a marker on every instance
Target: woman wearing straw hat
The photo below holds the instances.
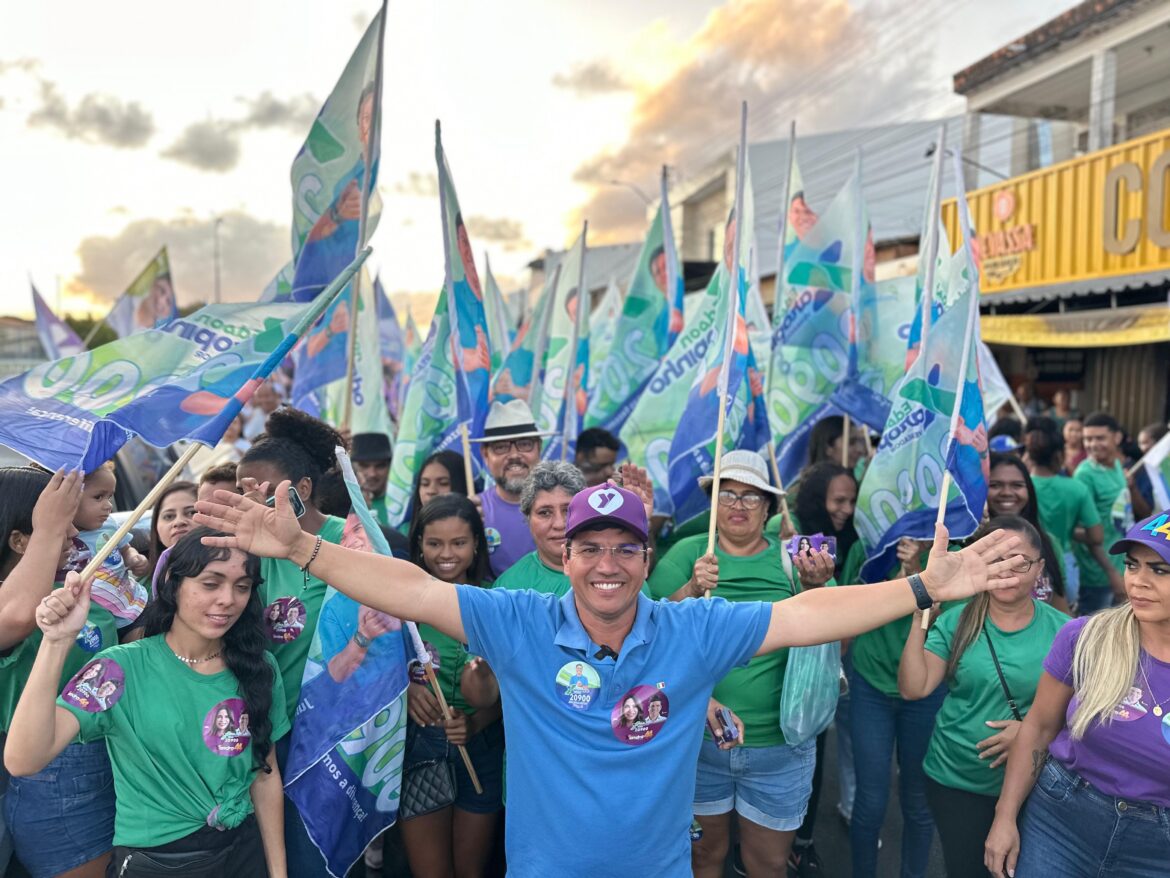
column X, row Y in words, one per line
column 767, row 782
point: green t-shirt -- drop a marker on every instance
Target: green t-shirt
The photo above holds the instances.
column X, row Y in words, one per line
column 976, row 696
column 751, row 692
column 877, row 653
column 532, row 573
column 1065, row 504
column 449, row 657
column 100, row 632
column 1110, row 493
column 291, row 608
column 178, row 740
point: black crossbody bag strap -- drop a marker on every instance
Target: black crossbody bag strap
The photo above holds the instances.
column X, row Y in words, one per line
column 999, row 671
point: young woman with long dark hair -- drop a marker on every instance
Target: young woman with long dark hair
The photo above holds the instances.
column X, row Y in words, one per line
column 447, row 540
column 188, row 715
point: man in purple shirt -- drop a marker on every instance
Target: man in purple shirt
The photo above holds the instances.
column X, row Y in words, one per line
column 511, row 447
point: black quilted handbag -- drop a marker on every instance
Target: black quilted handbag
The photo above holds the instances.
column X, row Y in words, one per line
column 428, row 780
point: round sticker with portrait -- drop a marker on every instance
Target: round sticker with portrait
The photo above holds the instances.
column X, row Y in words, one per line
column 640, row 715
column 96, row 687
column 89, row 638
column 226, row 728
column 577, row 685
column 284, row 620
column 1131, row 707
column 493, row 539
column 417, row 672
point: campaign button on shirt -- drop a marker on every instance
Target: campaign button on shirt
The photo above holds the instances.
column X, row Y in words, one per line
column 577, row 685
column 96, row 687
column 493, row 539
column 640, row 715
column 284, row 619
column 1131, row 707
column 226, row 728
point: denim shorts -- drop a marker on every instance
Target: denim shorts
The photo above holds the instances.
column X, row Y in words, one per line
column 63, row 816
column 770, row 786
column 1070, row 828
column 487, row 758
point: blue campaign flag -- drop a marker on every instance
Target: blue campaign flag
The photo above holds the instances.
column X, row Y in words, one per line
column 187, row 380
column 936, row 425
column 728, row 373
column 344, row 769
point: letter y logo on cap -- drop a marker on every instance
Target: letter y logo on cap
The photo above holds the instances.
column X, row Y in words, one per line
column 606, row 501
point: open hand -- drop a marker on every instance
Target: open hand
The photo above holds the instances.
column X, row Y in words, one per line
column 634, row 478
column 996, row 747
column 374, row 623
column 62, row 613
column 267, row 531
column 1002, row 848
column 986, row 563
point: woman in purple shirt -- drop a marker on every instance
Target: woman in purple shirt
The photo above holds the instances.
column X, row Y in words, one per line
column 1092, row 757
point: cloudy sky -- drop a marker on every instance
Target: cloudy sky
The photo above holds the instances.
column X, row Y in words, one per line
column 126, row 125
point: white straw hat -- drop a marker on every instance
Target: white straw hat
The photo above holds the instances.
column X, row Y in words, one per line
column 509, row 420
column 743, row 466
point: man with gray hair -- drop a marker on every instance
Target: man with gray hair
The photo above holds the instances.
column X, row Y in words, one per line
column 544, row 502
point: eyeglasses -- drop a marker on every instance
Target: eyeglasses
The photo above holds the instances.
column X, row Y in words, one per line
column 503, row 446
column 591, row 552
column 749, row 501
column 1022, row 565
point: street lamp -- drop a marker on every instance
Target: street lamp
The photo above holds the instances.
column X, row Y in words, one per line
column 635, row 189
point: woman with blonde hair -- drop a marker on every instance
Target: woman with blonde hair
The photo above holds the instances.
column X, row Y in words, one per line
column 1092, row 757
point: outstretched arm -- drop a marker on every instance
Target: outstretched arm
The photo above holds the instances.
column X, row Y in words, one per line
column 823, row 615
column 387, row 584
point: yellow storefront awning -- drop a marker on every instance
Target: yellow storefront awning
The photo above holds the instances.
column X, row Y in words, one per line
column 1111, row 327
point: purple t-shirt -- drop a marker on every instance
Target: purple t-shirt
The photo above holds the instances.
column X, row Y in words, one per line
column 508, row 536
column 1130, row 756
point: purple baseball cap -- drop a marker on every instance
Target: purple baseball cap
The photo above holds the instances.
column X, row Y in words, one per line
column 607, row 504
column 1153, row 532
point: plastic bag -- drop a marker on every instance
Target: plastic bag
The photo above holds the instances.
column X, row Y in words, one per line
column 812, row 685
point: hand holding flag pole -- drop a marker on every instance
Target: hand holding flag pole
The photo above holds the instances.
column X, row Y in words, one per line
column 319, row 305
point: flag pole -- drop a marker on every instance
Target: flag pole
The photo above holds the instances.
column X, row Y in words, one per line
column 98, row 324
column 733, row 312
column 363, row 217
column 468, row 469
column 846, row 429
column 536, row 387
column 328, row 295
column 777, row 292
column 568, row 401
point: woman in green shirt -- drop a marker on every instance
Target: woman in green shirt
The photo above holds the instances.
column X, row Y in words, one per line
column 766, row 781
column 545, row 504
column 36, row 520
column 298, row 448
column 989, row 651
column 447, row 540
column 188, row 715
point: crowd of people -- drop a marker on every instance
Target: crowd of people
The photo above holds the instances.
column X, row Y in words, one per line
column 624, row 677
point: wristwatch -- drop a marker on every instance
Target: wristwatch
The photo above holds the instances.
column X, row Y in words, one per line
column 361, row 640
column 925, row 601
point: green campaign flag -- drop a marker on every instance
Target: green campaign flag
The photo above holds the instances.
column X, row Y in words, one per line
column 499, row 321
column 651, row 320
column 602, row 327
column 368, row 413
column 148, row 302
column 564, row 330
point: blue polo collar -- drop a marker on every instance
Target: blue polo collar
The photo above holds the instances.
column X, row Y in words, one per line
column 572, row 634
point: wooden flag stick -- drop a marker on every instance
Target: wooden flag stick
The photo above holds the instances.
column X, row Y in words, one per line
column 429, row 668
column 938, row 519
column 846, row 429
column 468, row 470
column 715, row 481
column 785, row 519
column 147, row 502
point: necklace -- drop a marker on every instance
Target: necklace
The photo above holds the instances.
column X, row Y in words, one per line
column 1157, row 708
column 195, row 661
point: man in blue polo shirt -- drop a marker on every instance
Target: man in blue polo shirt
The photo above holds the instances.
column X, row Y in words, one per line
column 600, row 756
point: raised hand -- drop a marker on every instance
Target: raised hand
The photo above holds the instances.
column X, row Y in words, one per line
column 634, row 478
column 136, row 562
column 57, row 505
column 374, row 623
column 270, row 532
column 986, row 563
column 61, row 614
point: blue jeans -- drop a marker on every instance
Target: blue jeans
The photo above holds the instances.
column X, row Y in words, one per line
column 63, row 816
column 304, row 860
column 879, row 723
column 1070, row 828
